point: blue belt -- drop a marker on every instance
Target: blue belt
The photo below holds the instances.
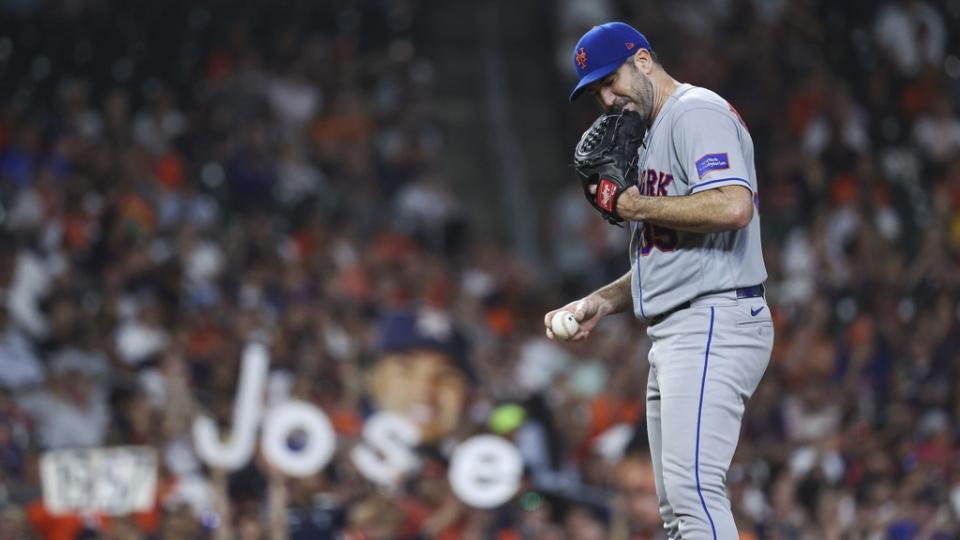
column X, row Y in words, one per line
column 743, row 292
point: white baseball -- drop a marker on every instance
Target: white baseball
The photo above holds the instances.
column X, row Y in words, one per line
column 564, row 325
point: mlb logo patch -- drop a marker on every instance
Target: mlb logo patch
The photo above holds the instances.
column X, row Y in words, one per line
column 712, row 162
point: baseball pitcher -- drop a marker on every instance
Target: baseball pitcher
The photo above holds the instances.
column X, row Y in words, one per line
column 675, row 163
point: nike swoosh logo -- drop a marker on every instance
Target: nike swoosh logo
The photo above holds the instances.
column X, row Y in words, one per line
column 753, row 312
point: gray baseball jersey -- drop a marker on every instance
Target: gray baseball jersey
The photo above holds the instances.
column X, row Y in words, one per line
column 697, row 142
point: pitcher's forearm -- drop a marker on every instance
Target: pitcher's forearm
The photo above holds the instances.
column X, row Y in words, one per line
column 615, row 297
column 721, row 209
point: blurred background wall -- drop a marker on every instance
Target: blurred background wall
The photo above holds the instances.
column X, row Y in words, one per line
column 381, row 190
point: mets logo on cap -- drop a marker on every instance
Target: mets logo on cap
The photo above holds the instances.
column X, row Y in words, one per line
column 581, row 58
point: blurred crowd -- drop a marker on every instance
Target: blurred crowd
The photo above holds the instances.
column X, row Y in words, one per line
column 261, row 175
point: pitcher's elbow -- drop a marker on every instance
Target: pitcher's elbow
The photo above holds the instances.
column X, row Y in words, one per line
column 742, row 216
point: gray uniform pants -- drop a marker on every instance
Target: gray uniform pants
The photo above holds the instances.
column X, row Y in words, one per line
column 705, row 362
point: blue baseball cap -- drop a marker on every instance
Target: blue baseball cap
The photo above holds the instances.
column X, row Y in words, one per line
column 604, row 49
column 425, row 329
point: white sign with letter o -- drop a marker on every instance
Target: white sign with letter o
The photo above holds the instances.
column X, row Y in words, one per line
column 281, row 422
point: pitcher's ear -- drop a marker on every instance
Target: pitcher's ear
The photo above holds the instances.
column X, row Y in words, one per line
column 644, row 61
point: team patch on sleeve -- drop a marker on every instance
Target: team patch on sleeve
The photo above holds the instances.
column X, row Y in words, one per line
column 712, row 162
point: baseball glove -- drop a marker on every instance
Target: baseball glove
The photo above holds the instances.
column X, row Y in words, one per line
column 606, row 157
